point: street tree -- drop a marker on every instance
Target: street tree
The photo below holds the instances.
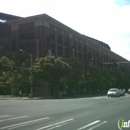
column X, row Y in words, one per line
column 99, row 79
column 122, row 80
column 108, row 80
column 75, row 75
column 5, row 72
column 13, row 76
column 94, row 79
column 52, row 70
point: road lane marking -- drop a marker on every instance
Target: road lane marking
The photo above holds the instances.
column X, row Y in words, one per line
column 13, row 118
column 95, row 122
column 2, row 116
column 97, row 125
column 60, row 125
column 103, row 97
column 23, row 123
column 97, row 97
column 56, row 124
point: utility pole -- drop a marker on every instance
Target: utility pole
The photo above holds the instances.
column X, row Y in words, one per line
column 31, row 72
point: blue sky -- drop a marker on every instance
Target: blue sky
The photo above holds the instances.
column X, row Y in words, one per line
column 105, row 20
column 122, row 2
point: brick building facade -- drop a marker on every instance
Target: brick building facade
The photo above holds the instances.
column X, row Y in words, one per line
column 42, row 35
column 5, row 34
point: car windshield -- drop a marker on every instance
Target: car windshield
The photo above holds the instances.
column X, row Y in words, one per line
column 113, row 90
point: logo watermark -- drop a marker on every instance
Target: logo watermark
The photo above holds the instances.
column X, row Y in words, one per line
column 123, row 124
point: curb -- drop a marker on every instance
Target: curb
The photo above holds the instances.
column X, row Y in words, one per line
column 41, row 98
column 13, row 98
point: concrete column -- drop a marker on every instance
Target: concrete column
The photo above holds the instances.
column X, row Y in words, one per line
column 56, row 53
column 40, row 35
column 63, row 51
column 16, row 42
column 70, row 49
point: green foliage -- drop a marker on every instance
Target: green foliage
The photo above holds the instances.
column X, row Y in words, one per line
column 122, row 80
column 108, row 80
column 5, row 78
column 95, row 76
column 75, row 74
column 56, row 71
column 100, row 78
column 51, row 69
column 6, row 71
column 11, row 75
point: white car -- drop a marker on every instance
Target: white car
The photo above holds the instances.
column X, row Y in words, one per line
column 129, row 91
column 122, row 92
column 113, row 92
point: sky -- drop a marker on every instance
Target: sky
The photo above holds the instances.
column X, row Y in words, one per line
column 104, row 20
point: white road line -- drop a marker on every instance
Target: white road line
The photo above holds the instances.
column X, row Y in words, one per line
column 97, row 125
column 95, row 122
column 1, row 116
column 13, row 118
column 24, row 123
column 99, row 97
column 59, row 125
column 55, row 124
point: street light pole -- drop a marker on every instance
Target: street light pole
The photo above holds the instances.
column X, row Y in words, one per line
column 31, row 76
column 31, row 72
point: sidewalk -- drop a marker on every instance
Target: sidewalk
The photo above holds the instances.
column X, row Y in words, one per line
column 10, row 97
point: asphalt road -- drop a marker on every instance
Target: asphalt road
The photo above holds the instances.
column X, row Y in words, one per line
column 97, row 113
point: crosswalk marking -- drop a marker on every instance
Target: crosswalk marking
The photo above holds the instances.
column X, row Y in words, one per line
column 95, row 122
column 13, row 118
column 55, row 124
column 23, row 123
column 91, row 126
column 2, row 116
column 97, row 125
